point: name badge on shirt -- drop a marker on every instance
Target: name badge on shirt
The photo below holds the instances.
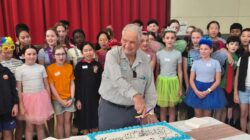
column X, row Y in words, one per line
column 167, row 59
column 208, row 64
column 95, row 69
column 84, row 66
column 57, row 73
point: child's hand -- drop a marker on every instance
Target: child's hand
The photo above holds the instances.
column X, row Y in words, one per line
column 63, row 103
column 203, row 94
column 78, row 105
column 22, row 111
column 236, row 98
column 200, row 94
column 187, row 89
column 180, row 93
column 69, row 102
column 14, row 110
column 206, row 92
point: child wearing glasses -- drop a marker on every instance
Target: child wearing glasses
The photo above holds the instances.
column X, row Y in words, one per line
column 61, row 81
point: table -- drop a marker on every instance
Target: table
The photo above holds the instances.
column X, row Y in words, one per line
column 213, row 130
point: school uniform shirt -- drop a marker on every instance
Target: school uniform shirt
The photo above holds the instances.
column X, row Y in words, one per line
column 61, row 77
column 8, row 92
column 87, row 82
column 120, row 81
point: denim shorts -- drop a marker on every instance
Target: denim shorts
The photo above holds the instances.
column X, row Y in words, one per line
column 245, row 96
column 59, row 109
column 7, row 125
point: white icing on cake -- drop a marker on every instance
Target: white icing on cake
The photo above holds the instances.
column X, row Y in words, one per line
column 134, row 134
column 157, row 131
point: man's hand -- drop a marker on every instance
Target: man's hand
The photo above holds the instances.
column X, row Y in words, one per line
column 149, row 118
column 140, row 105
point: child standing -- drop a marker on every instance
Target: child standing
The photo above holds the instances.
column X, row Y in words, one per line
column 23, row 39
column 88, row 78
column 191, row 54
column 6, row 52
column 235, row 29
column 188, row 57
column 11, row 63
column 61, row 81
column 9, row 97
column 169, row 85
column 34, row 94
column 242, row 89
column 145, row 47
column 8, row 103
column 102, row 43
column 232, row 45
column 205, row 93
column 75, row 54
column 244, row 41
column 213, row 30
column 45, row 55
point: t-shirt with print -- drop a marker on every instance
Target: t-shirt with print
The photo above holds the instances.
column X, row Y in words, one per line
column 168, row 61
column 61, row 77
column 205, row 70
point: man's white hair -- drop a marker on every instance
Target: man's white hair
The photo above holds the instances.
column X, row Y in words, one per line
column 133, row 28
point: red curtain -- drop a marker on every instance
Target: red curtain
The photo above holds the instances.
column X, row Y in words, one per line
column 90, row 15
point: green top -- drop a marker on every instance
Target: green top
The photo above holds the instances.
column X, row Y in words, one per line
column 223, row 81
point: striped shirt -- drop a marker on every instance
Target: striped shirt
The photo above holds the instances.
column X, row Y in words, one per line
column 12, row 64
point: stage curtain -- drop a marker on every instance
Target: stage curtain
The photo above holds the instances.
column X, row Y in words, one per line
column 90, row 15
